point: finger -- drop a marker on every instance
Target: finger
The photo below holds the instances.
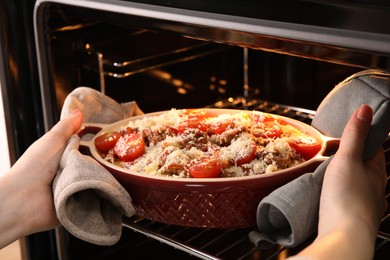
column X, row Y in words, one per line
column 67, row 126
column 355, row 132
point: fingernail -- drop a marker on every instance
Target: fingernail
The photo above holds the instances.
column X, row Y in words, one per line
column 75, row 111
column 365, row 114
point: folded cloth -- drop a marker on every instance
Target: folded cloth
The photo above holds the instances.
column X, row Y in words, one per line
column 89, row 201
column 289, row 215
column 370, row 87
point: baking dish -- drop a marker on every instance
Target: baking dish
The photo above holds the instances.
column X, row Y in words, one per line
column 203, row 202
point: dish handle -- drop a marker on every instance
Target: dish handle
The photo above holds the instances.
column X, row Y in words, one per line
column 86, row 134
column 331, row 145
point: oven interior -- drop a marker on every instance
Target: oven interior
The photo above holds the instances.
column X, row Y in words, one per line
column 132, row 58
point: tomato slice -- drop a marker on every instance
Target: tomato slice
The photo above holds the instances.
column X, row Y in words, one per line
column 192, row 123
column 248, row 157
column 129, row 147
column 266, row 126
column 198, row 113
column 206, row 167
column 173, row 131
column 307, row 146
column 270, row 131
column 256, row 118
column 219, row 128
column 107, row 141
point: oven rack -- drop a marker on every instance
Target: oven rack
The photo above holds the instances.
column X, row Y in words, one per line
column 124, row 69
column 122, row 61
column 212, row 244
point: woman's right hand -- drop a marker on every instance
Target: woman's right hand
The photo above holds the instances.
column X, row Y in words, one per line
column 353, row 196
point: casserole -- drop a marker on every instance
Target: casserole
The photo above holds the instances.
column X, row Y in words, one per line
column 229, row 202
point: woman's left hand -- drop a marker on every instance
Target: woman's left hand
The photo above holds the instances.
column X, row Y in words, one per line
column 26, row 199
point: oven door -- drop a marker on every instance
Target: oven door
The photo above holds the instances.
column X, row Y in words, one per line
column 287, row 49
column 20, row 89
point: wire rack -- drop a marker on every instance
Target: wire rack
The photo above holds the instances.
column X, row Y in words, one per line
column 234, row 244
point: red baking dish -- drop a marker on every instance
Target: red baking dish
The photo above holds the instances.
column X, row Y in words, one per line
column 203, row 202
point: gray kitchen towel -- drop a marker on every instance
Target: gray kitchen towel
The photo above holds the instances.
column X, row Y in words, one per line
column 289, row 215
column 89, row 201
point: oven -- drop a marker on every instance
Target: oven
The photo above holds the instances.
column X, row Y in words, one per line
column 278, row 57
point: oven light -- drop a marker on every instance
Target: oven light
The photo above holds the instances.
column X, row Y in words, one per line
column 182, row 91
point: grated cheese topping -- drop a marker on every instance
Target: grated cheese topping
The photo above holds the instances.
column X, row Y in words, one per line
column 245, row 146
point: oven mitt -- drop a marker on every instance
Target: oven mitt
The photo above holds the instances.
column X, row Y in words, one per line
column 89, row 201
column 289, row 215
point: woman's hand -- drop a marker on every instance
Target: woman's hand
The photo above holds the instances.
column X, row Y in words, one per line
column 26, row 200
column 352, row 200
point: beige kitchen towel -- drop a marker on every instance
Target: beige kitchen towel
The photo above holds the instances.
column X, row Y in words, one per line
column 289, row 215
column 88, row 200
